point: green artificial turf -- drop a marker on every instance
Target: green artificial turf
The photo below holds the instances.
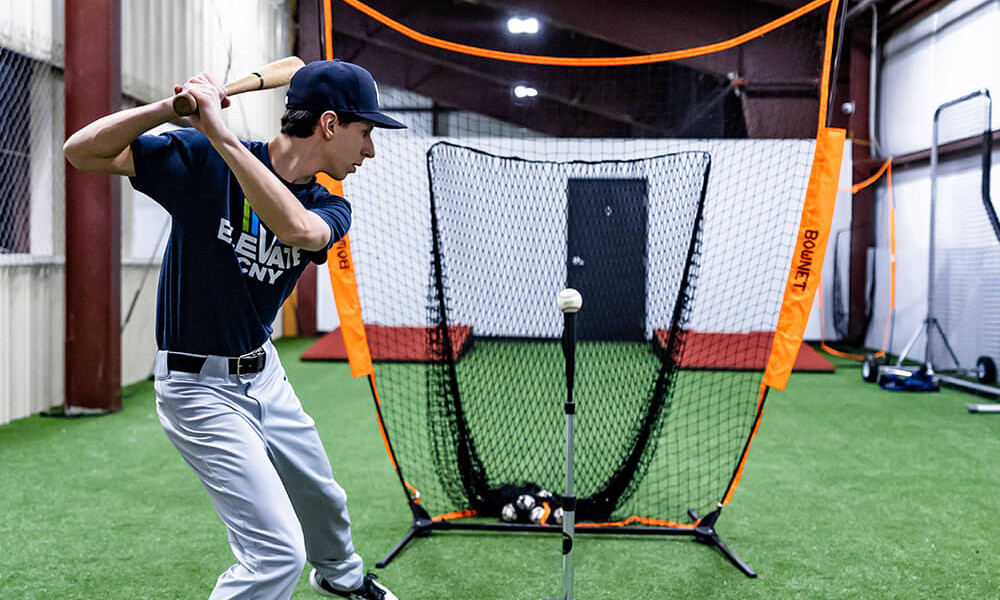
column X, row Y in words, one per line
column 849, row 492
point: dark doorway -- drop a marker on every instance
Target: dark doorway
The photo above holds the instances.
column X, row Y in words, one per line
column 606, row 256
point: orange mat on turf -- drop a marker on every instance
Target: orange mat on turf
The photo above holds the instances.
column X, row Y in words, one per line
column 403, row 344
column 719, row 351
column 739, row 352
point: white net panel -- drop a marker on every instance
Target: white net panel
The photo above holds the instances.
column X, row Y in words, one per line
column 965, row 291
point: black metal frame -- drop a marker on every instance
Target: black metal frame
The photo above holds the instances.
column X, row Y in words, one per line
column 424, row 525
column 704, row 533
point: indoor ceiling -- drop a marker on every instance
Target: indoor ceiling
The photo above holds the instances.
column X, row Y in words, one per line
column 771, row 91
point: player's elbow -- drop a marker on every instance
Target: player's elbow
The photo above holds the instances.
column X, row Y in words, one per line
column 80, row 154
column 83, row 153
column 307, row 236
column 74, row 153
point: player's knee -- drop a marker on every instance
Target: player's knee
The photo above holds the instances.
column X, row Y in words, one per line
column 290, row 558
column 338, row 495
column 297, row 557
column 330, row 496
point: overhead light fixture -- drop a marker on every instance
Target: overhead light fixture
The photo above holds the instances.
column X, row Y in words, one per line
column 518, row 25
column 523, row 91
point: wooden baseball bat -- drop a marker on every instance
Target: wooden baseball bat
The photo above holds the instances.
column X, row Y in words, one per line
column 269, row 76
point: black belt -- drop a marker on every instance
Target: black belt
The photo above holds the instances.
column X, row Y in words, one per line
column 243, row 365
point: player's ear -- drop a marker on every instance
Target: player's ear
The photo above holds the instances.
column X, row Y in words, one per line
column 327, row 121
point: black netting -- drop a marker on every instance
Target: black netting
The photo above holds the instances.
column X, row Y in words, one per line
column 499, row 263
column 601, row 182
column 660, row 423
column 840, row 308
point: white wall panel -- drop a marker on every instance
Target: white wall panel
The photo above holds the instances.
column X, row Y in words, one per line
column 165, row 43
column 938, row 58
column 739, row 167
column 138, row 334
column 48, row 192
column 32, row 323
column 912, row 194
column 33, row 28
column 31, row 326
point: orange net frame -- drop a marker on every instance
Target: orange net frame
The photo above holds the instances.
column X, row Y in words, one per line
column 803, row 276
column 884, row 170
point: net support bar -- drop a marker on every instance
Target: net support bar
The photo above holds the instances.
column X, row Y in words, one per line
column 704, row 533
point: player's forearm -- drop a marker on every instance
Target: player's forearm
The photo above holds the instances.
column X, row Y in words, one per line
column 100, row 145
column 276, row 206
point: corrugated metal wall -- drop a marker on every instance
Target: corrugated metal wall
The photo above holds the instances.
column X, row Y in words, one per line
column 31, row 337
column 33, row 28
column 163, row 43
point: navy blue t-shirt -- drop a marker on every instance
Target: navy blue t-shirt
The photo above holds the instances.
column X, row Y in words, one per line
column 224, row 274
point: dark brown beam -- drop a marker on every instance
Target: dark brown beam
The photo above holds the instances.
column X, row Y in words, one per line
column 952, row 150
column 309, row 47
column 93, row 214
column 308, row 44
column 904, row 12
column 466, row 90
column 858, row 55
column 852, row 86
column 305, row 303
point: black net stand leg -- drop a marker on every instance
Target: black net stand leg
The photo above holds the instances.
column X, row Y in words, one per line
column 705, row 533
column 421, row 527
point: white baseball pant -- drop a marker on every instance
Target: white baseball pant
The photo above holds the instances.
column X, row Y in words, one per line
column 259, row 456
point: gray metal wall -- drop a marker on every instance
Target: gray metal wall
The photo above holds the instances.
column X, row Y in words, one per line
column 163, row 43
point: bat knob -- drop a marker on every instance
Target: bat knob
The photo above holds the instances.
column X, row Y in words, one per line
column 185, row 104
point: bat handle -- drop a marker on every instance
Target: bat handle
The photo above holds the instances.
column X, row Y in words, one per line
column 185, row 104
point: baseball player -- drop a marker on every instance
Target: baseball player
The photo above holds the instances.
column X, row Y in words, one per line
column 247, row 217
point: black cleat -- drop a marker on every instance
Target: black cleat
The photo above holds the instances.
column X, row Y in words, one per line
column 369, row 590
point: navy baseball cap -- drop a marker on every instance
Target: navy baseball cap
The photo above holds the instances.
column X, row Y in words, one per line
column 338, row 86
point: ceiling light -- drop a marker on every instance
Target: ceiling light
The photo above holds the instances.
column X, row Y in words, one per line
column 519, row 25
column 523, row 91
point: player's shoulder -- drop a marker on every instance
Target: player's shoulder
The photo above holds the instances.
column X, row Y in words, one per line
column 188, row 136
column 187, row 141
column 176, row 148
column 257, row 148
column 316, row 196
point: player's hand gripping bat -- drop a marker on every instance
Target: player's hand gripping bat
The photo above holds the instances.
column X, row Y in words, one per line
column 269, row 76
